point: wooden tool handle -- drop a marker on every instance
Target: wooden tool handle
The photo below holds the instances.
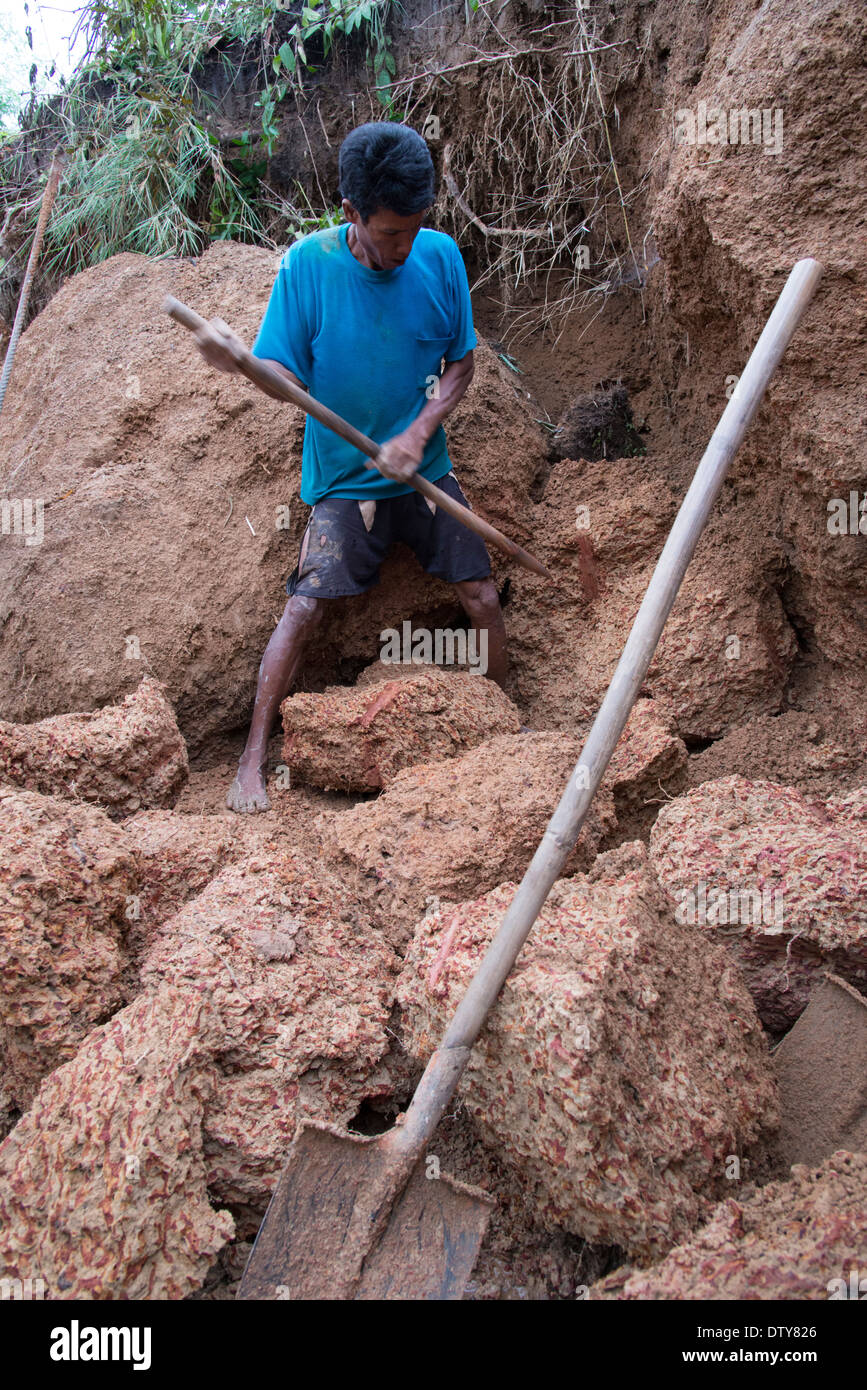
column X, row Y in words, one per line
column 446, row 1065
column 264, row 376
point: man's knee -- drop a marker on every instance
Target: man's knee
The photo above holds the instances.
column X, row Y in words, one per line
column 301, row 614
column 479, row 598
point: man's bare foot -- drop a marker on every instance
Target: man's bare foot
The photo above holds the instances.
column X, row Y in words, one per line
column 247, row 793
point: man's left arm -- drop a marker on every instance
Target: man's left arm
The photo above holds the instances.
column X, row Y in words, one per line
column 400, row 457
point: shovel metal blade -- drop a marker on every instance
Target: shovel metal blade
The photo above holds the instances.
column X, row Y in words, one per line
column 304, row 1249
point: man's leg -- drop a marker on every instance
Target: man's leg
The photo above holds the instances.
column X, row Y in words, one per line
column 279, row 664
column 446, row 548
column 479, row 601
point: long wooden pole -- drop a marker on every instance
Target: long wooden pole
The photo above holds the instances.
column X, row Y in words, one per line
column 264, row 376
column 48, row 196
column 446, row 1065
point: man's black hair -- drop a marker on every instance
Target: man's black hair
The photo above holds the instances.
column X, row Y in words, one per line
column 384, row 165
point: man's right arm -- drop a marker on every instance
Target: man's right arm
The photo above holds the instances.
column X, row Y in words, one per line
column 215, row 342
column 284, row 371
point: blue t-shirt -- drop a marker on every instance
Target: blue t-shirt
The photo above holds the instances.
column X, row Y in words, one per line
column 366, row 343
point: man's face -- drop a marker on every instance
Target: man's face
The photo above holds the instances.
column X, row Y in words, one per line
column 386, row 238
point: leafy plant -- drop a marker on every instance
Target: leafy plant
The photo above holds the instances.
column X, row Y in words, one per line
column 145, row 171
column 304, row 219
column 382, row 62
column 323, row 23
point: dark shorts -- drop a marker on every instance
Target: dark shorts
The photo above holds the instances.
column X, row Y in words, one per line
column 346, row 542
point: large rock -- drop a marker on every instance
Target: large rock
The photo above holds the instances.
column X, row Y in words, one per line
column 103, row 1186
column 304, row 989
column 454, row 829
column 172, row 515
column 802, row 1239
column 264, row 999
column 780, row 879
column 359, row 739
column 176, row 856
column 622, row 1064
column 800, row 749
column 124, row 757
column 67, row 879
column 649, row 762
column 727, row 649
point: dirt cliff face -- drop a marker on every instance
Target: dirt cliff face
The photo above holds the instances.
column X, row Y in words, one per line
column 729, row 221
column 171, row 513
column 151, row 467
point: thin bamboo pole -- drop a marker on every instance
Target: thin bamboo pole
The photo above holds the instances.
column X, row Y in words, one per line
column 48, row 196
column 445, row 1067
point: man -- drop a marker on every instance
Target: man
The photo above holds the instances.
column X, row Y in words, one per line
column 362, row 316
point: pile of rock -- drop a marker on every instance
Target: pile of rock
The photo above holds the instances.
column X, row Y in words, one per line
column 265, row 998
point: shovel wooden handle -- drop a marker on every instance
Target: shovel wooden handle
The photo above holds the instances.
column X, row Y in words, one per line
column 264, row 376
column 446, row 1065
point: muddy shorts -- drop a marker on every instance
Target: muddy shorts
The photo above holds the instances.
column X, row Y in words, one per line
column 346, row 541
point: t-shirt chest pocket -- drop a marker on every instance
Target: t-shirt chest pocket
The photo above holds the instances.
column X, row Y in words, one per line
column 429, row 353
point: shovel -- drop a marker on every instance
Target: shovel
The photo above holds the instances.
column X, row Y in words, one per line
column 360, row 1218
column 262, row 375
